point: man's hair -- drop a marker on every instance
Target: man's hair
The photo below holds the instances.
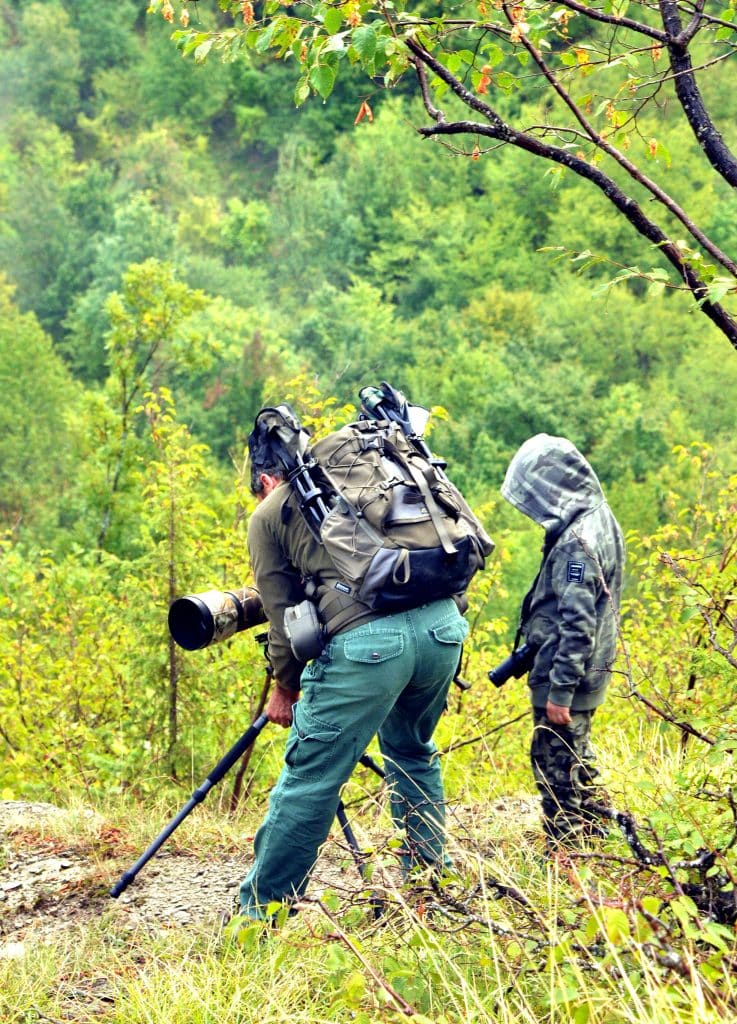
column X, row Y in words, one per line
column 268, row 467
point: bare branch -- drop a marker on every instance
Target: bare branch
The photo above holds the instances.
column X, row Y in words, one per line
column 694, row 25
column 483, row 735
column 601, row 143
column 716, row 150
column 498, row 129
column 610, row 19
column 435, row 114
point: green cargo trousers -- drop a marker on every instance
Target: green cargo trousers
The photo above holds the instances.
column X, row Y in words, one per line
column 389, row 676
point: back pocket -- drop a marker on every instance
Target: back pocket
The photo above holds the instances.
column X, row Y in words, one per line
column 373, row 648
column 453, row 632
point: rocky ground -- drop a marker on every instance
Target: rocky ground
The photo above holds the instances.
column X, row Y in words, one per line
column 48, row 884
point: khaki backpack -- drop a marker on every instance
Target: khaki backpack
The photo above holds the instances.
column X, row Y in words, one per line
column 398, row 532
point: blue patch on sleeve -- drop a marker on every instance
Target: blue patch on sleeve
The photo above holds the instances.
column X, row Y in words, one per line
column 575, row 572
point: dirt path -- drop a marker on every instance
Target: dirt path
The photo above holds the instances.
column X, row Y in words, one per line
column 46, row 884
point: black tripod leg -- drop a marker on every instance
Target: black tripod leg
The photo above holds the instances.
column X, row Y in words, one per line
column 224, row 765
column 368, row 762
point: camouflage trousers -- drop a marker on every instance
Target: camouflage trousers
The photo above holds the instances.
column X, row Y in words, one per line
column 563, row 764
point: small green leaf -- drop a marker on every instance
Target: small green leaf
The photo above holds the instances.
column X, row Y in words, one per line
column 616, row 925
column 191, row 41
column 322, row 78
column 364, row 40
column 301, row 92
column 662, row 153
column 685, row 910
column 581, row 1014
column 494, row 55
column 263, row 41
column 202, row 51
column 720, row 287
column 556, row 176
column 506, row 82
column 331, row 901
column 333, row 20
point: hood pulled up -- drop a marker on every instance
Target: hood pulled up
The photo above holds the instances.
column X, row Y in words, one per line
column 550, row 481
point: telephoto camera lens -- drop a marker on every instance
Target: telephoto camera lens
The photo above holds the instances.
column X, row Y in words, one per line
column 198, row 620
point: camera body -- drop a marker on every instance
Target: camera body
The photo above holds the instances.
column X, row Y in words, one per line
column 517, row 664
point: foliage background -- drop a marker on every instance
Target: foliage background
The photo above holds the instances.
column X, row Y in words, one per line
column 179, row 245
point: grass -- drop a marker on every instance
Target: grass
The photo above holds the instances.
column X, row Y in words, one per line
column 518, row 939
column 313, row 972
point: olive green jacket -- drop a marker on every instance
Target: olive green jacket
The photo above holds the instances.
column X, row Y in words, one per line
column 571, row 611
column 284, row 555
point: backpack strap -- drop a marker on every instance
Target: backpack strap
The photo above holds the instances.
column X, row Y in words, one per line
column 337, row 610
column 401, row 572
column 418, row 477
column 548, row 545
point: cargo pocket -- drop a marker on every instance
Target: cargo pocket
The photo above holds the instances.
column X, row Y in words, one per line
column 373, row 648
column 311, row 745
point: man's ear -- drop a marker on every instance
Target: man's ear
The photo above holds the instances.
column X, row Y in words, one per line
column 268, row 483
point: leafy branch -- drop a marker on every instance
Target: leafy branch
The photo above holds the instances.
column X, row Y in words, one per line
column 469, row 56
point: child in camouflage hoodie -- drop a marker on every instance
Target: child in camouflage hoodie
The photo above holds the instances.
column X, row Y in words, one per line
column 570, row 618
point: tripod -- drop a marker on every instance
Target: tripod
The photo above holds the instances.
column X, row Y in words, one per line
column 218, row 772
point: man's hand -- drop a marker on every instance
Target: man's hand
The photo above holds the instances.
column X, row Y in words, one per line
column 557, row 714
column 279, row 708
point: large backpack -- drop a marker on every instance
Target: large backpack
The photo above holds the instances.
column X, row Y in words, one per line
column 398, row 532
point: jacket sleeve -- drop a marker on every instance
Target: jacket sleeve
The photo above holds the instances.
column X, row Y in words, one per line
column 575, row 582
column 279, row 586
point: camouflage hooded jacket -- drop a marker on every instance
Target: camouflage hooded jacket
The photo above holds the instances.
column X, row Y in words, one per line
column 570, row 613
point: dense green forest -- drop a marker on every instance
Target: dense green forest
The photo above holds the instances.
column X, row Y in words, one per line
column 181, row 244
